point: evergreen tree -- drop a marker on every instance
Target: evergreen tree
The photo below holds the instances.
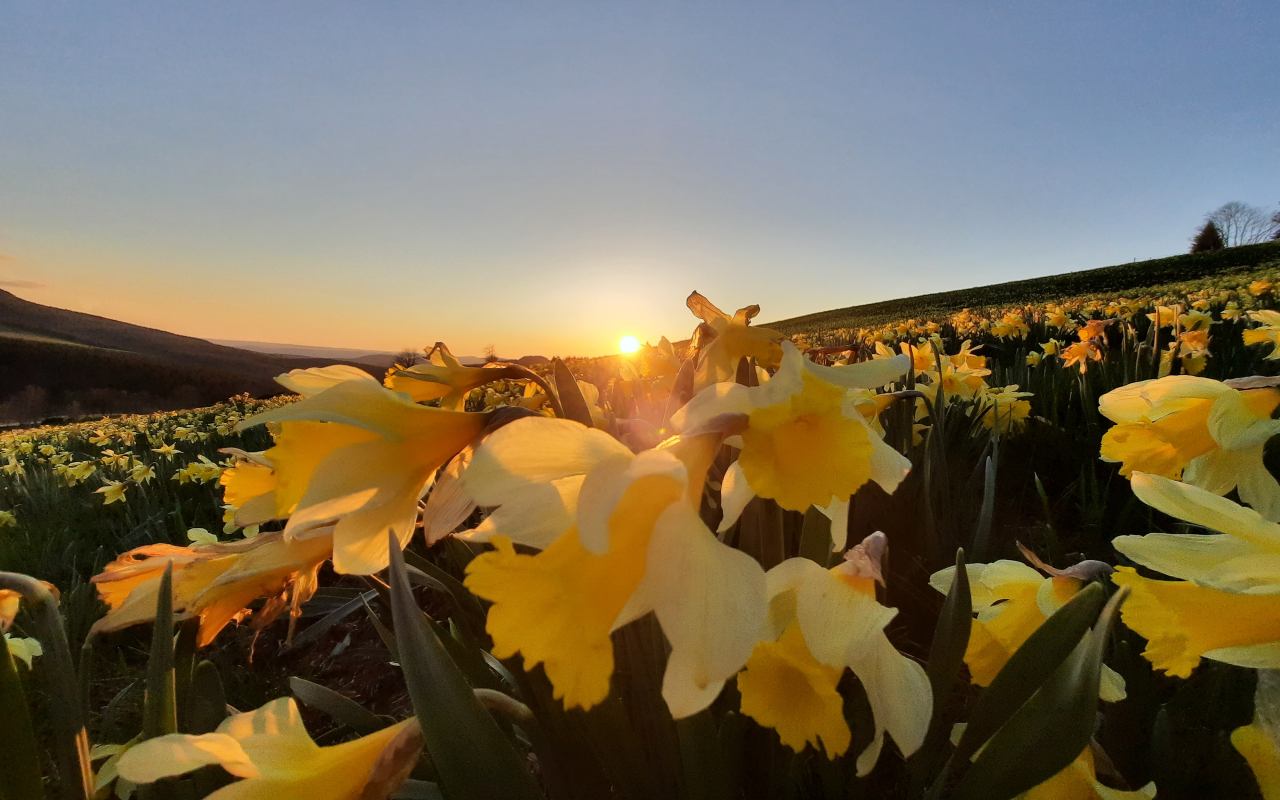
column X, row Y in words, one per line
column 1207, row 239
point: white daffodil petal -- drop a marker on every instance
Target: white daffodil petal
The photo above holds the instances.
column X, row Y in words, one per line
column 838, row 512
column 535, row 450
column 710, row 602
column 1199, row 507
column 177, row 754
column 865, row 374
column 311, row 382
column 734, row 496
column 898, row 691
column 1254, row 656
column 1186, row 556
column 888, row 466
column 535, row 516
column 717, row 399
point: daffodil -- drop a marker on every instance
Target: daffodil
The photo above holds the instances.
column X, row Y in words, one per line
column 214, row 582
column 805, row 441
column 1005, row 408
column 271, row 751
column 821, row 622
column 1266, row 333
column 8, row 519
column 1203, row 431
column 14, row 467
column 1259, row 741
column 1033, row 359
column 361, row 455
column 621, row 537
column 142, row 473
column 112, row 492
column 442, row 378
column 1081, row 353
column 201, row 536
column 313, row 381
column 733, row 340
column 23, row 649
column 1225, row 604
column 1011, row 600
column 167, row 450
column 1079, row 781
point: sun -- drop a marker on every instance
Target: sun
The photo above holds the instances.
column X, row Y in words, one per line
column 628, row 344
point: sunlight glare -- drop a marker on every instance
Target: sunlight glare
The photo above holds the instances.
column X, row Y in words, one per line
column 628, row 344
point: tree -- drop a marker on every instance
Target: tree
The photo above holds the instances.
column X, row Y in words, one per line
column 1275, row 221
column 1240, row 223
column 1207, row 239
column 406, row 358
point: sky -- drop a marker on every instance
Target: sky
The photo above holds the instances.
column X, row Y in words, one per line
column 546, row 177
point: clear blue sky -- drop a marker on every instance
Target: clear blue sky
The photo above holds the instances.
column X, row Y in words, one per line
column 548, row 176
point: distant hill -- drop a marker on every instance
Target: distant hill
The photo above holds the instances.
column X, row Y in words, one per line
column 378, row 358
column 1119, row 279
column 59, row 362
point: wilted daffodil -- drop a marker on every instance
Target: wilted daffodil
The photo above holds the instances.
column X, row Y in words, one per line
column 277, row 759
column 361, row 455
column 734, row 340
column 1011, row 600
column 1226, row 604
column 805, row 442
column 214, row 582
column 820, row 622
column 1203, row 431
column 622, row 537
column 442, row 378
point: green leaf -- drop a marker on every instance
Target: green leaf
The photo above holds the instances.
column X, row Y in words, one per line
column 705, row 770
column 571, row 399
column 339, row 707
column 160, row 708
column 815, row 537
column 946, row 655
column 1052, row 729
column 417, row 790
column 982, row 535
column 1029, row 668
column 468, row 749
column 207, row 700
column 19, row 754
column 388, row 638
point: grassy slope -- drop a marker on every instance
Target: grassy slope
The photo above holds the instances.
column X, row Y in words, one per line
column 1120, row 278
column 69, row 352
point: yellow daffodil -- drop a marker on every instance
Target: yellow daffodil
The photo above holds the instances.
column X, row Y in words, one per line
column 1165, row 316
column 1266, row 333
column 142, row 473
column 167, row 450
column 112, row 492
column 7, row 519
column 271, row 751
column 1203, row 431
column 1011, row 600
column 1259, row 288
column 1195, row 320
column 821, row 622
column 214, row 582
column 442, row 378
column 805, row 441
column 1081, row 353
column 1079, row 781
column 1051, row 347
column 23, row 649
column 1006, row 408
column 622, row 537
column 1225, row 604
column 14, row 468
column 1033, row 359
column 361, row 455
column 734, row 340
column 1259, row 742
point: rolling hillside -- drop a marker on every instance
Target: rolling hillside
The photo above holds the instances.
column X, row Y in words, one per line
column 58, row 362
column 1120, row 278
